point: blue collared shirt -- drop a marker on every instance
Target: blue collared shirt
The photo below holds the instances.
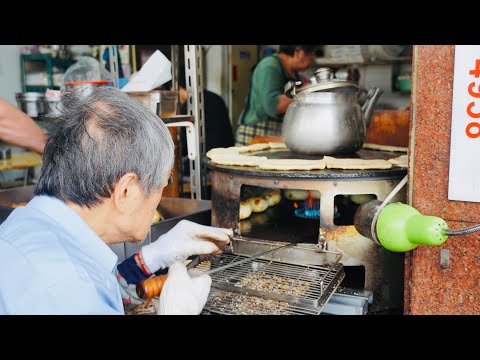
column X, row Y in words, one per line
column 52, row 262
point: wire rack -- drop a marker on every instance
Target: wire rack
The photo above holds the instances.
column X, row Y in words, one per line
column 266, row 287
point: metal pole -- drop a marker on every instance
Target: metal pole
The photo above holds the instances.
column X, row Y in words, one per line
column 175, row 66
column 113, row 60
column 133, row 56
column 193, row 77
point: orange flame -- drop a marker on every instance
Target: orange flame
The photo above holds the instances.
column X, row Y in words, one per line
column 309, row 201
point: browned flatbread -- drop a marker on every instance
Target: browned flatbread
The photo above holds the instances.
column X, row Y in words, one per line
column 258, row 204
column 401, row 161
column 294, row 194
column 356, row 164
column 273, row 196
column 277, row 145
column 384, row 147
column 251, row 148
column 292, row 164
column 245, row 210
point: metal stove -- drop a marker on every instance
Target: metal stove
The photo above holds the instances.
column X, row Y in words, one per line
column 381, row 271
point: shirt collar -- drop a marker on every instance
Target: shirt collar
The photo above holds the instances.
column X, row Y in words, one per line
column 85, row 238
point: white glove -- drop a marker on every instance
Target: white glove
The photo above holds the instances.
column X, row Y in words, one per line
column 183, row 240
column 181, row 294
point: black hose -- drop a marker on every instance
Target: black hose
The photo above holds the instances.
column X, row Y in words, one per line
column 451, row 232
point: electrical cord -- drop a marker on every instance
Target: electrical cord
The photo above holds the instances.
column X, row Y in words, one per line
column 469, row 230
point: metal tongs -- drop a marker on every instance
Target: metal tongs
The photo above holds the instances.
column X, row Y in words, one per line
column 235, row 263
column 152, row 287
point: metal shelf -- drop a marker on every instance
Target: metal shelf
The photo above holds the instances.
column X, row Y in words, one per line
column 194, row 82
column 177, row 118
column 333, row 63
column 50, row 63
column 42, row 88
column 195, row 108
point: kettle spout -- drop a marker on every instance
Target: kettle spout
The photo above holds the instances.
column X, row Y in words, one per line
column 372, row 97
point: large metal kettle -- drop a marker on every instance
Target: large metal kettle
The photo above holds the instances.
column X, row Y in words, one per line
column 326, row 118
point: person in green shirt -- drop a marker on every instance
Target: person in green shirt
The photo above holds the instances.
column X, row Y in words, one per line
column 266, row 102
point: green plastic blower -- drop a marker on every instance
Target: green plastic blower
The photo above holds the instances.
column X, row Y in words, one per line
column 399, row 227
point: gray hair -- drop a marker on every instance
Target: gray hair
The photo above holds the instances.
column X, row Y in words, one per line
column 101, row 135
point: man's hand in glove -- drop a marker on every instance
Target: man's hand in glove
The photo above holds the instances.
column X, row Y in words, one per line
column 185, row 239
column 182, row 294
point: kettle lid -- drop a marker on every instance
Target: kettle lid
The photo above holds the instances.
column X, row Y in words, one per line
column 331, row 85
column 326, row 81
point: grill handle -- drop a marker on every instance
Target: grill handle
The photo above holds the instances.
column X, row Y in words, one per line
column 151, row 287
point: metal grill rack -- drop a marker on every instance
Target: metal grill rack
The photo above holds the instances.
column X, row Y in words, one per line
column 266, row 287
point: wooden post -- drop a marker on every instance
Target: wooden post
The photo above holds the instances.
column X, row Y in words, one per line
column 173, row 190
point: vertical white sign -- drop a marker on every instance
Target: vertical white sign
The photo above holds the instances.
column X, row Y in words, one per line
column 464, row 176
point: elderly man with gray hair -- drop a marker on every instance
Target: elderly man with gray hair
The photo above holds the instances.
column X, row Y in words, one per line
column 105, row 166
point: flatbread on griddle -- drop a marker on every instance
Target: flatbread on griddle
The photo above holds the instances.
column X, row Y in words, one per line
column 277, row 145
column 384, row 147
column 292, row 164
column 356, row 164
column 251, row 148
column 222, row 151
column 401, row 161
column 237, row 159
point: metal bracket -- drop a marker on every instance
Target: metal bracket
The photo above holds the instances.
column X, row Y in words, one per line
column 175, row 61
column 113, row 63
column 193, row 76
column 191, row 137
column 444, row 258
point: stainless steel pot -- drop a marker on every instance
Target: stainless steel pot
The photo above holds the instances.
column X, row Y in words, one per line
column 327, row 122
column 52, row 106
column 31, row 103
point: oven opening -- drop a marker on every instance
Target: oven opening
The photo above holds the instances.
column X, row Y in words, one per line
column 346, row 205
column 279, row 215
column 354, row 277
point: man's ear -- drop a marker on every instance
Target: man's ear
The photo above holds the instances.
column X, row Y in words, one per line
column 123, row 190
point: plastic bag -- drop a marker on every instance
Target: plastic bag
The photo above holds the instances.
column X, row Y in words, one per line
column 86, row 69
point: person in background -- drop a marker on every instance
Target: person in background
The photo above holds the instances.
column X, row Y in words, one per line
column 18, row 129
column 105, row 165
column 266, row 102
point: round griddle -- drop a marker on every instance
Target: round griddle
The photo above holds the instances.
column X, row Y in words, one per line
column 327, row 174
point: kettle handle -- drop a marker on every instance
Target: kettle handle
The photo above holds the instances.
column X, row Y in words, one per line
column 291, row 88
column 367, row 108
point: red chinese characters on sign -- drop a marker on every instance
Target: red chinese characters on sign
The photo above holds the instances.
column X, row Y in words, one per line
column 474, row 92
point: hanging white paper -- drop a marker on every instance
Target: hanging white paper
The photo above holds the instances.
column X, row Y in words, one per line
column 464, row 176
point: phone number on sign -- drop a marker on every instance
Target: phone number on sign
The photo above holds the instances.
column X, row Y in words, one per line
column 475, row 94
